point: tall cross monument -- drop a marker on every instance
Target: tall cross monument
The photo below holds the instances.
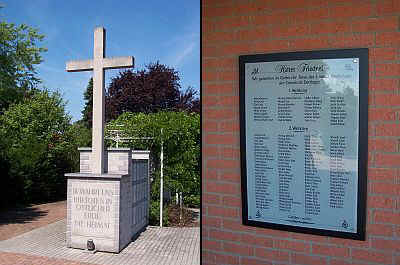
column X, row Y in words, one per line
column 98, row 64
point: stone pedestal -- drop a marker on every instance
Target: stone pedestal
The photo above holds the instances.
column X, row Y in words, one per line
column 99, row 206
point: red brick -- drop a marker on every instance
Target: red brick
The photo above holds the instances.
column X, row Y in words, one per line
column 388, row 69
column 352, row 40
column 387, row 160
column 288, row 4
column 218, row 37
column 380, row 201
column 371, row 256
column 387, row 217
column 204, row 230
column 231, row 201
column 386, row 145
column 223, row 164
column 211, row 174
column 234, row 49
column 269, row 46
column 211, row 244
column 228, row 23
column 220, row 139
column 210, row 151
column 349, row 242
column 228, row 101
column 209, row 101
column 383, row 53
column 229, row 126
column 387, row 189
column 386, row 244
column 208, row 256
column 227, row 75
column 234, row 225
column 340, row 262
column 388, row 39
column 388, row 7
column 379, row 229
column 230, row 176
column 360, row 10
column 292, row 245
column 273, row 232
column 317, row 13
column 388, row 129
column 329, row 27
column 379, row 114
column 218, row 63
column 285, row 31
column 229, row 152
column 210, row 76
column 307, row 260
column 246, row 8
column 209, row 126
column 223, row 188
column 308, row 43
column 208, row 25
column 272, row 255
column 307, row 15
column 226, row 259
column 238, row 249
column 277, row 17
column 223, row 235
column 387, row 100
column 224, row 88
column 371, row 130
column 384, row 84
column 257, row 240
column 252, row 261
column 376, row 24
column 213, row 12
column 310, row 238
column 210, row 198
column 253, row 34
column 329, row 250
column 211, row 222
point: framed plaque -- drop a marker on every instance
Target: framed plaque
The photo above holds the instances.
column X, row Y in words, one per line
column 303, row 139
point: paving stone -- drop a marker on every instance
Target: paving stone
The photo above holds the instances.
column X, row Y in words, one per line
column 167, row 245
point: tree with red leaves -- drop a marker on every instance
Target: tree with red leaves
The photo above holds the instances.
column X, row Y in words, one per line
column 150, row 90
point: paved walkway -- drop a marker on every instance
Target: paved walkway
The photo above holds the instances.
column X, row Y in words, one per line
column 168, row 245
column 18, row 221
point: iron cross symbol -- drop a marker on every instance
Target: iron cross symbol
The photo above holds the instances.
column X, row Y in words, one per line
column 98, row 64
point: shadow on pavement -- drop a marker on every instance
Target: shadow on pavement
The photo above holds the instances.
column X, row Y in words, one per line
column 21, row 215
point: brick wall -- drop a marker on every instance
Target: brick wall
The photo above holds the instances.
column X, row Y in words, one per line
column 231, row 28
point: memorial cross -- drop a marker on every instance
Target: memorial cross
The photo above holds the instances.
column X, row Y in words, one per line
column 98, row 64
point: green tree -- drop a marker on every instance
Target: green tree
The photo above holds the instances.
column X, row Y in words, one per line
column 19, row 53
column 181, row 138
column 87, row 111
column 40, row 147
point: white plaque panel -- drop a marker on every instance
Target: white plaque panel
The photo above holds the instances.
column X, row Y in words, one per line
column 300, row 137
column 93, row 209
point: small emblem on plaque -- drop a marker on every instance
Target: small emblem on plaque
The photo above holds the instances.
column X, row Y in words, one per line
column 345, row 225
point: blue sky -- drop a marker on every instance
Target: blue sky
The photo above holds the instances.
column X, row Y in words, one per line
column 167, row 31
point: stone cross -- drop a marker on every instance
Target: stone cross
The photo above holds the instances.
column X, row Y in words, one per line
column 98, row 64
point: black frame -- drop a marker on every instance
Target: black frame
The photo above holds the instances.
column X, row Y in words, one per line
column 362, row 54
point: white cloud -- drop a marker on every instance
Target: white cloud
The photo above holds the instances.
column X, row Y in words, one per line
column 180, row 56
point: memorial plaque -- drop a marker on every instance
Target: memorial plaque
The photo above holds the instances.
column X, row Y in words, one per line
column 93, row 211
column 303, row 133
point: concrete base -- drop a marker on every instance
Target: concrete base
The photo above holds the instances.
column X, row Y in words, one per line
column 98, row 208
